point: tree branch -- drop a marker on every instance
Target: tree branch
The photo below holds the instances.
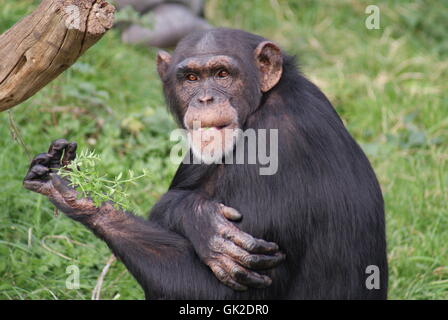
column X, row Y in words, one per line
column 44, row 44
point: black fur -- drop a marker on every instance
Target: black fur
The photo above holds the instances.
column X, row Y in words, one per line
column 324, row 207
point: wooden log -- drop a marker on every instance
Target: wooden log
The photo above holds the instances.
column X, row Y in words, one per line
column 44, row 44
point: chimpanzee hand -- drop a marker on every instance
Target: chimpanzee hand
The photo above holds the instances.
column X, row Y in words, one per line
column 230, row 253
column 42, row 178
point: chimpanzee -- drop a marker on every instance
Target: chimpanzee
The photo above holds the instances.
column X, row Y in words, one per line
column 311, row 230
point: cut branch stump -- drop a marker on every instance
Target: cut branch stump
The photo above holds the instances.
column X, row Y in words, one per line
column 42, row 45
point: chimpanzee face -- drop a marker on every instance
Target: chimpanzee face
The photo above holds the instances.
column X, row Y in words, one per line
column 212, row 92
column 209, row 88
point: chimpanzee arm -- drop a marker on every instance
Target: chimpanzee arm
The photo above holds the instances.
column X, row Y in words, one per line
column 162, row 261
column 217, row 241
column 130, row 237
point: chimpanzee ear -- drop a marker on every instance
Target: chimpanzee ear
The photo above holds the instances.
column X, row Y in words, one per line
column 163, row 62
column 268, row 58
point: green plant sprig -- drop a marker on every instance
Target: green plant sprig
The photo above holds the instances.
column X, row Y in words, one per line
column 84, row 176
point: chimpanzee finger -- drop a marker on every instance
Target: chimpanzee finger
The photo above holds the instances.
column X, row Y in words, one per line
column 42, row 159
column 225, row 278
column 55, row 151
column 230, row 213
column 251, row 279
column 245, row 276
column 70, row 153
column 252, row 261
column 37, row 172
column 249, row 243
column 37, row 179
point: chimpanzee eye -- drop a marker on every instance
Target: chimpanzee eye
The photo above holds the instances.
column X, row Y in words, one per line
column 223, row 73
column 191, row 77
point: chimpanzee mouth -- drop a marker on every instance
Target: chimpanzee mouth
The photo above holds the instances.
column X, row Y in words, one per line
column 217, row 128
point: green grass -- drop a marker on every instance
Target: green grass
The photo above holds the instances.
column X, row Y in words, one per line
column 389, row 86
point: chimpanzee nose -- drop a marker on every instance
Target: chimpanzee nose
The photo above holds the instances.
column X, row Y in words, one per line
column 206, row 97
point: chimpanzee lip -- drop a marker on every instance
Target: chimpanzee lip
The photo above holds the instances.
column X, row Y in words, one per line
column 219, row 128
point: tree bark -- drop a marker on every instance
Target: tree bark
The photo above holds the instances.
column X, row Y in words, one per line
column 44, row 44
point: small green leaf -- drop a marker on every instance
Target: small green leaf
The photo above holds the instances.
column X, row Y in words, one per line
column 84, row 176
